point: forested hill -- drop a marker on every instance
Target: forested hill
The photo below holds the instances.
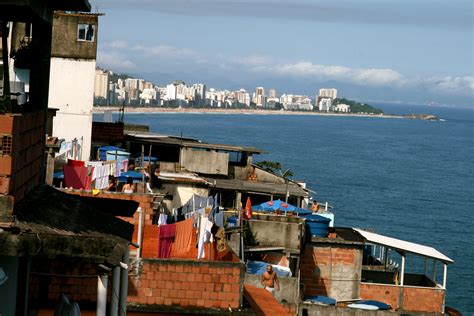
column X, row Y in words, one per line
column 357, row 107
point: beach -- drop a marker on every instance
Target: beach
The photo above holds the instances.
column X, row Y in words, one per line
column 137, row 110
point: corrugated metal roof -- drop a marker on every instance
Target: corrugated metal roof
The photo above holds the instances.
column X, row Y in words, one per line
column 404, row 246
column 257, row 187
column 187, row 142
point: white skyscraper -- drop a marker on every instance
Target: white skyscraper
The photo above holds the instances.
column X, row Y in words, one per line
column 328, row 93
column 101, row 83
column 171, row 92
column 260, row 97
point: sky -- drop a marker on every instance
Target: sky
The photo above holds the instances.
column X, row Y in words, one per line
column 419, row 51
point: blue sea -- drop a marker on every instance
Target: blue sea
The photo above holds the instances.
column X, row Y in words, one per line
column 408, row 179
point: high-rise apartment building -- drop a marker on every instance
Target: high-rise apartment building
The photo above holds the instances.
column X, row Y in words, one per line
column 260, row 97
column 328, row 93
column 131, row 84
column 199, row 92
column 100, row 84
column 271, row 94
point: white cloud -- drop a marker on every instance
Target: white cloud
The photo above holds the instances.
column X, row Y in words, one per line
column 115, row 61
column 454, row 85
column 116, row 44
column 165, row 51
column 372, row 77
column 119, row 56
column 361, row 76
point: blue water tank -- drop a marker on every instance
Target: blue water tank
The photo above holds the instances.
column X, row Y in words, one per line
column 232, row 221
column 317, row 226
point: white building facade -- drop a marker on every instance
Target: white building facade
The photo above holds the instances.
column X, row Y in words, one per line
column 72, row 81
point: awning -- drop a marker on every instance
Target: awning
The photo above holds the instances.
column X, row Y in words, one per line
column 403, row 246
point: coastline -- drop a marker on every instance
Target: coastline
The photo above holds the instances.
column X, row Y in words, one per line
column 141, row 110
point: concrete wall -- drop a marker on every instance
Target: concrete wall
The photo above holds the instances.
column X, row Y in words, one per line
column 207, row 162
column 331, row 270
column 8, row 289
column 271, row 233
column 288, row 287
column 64, row 40
column 265, row 176
column 71, row 91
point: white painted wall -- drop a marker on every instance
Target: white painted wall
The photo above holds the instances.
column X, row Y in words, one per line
column 71, row 90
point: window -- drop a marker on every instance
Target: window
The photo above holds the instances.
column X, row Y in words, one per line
column 85, row 32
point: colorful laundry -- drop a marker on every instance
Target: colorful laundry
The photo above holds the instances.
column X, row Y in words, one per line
column 166, row 237
column 183, row 241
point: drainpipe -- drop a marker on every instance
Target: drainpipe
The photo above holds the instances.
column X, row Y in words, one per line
column 445, row 273
column 6, row 66
column 402, row 277
column 139, row 238
column 124, row 285
column 426, row 263
column 102, row 281
column 27, row 287
column 114, row 303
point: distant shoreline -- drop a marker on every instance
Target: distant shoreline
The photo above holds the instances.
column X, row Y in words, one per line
column 138, row 110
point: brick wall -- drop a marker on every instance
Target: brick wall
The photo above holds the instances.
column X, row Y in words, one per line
column 331, row 270
column 187, row 284
column 164, row 284
column 388, row 294
column 161, row 284
column 107, row 132
column 75, row 278
column 22, row 150
column 414, row 299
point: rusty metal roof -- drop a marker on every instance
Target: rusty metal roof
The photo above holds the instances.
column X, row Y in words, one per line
column 257, row 187
column 187, row 142
column 50, row 222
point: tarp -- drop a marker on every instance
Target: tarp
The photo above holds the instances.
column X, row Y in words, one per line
column 136, row 176
column 259, row 267
column 272, row 206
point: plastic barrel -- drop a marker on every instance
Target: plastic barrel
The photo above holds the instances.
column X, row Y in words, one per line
column 317, row 226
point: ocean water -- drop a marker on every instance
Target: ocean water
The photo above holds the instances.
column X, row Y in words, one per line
column 408, row 179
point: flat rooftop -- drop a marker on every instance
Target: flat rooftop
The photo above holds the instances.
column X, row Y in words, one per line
column 187, row 142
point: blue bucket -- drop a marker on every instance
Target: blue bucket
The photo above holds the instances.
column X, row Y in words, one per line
column 317, row 226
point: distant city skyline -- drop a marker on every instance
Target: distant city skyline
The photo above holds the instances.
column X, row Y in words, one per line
column 411, row 51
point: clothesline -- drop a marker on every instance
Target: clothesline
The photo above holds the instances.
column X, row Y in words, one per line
column 206, row 223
